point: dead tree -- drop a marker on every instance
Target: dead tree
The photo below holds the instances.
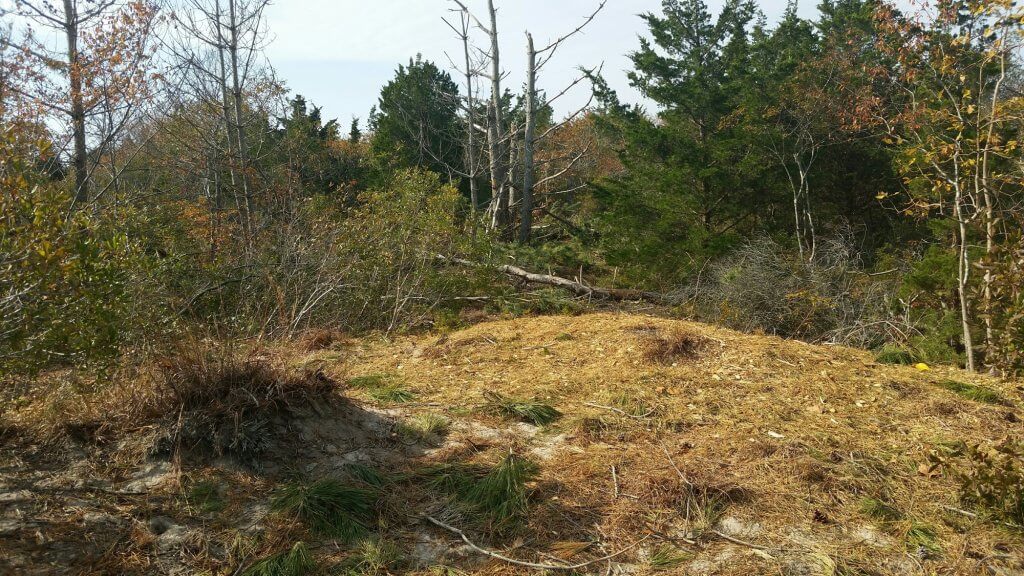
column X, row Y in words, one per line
column 530, row 139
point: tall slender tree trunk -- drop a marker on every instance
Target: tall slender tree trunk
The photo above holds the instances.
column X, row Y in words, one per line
column 81, row 154
column 240, row 138
column 963, row 278
column 496, row 136
column 526, row 199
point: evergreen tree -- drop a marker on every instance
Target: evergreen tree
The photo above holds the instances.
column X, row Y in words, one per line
column 417, row 123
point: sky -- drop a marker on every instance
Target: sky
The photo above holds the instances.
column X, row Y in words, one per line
column 339, row 53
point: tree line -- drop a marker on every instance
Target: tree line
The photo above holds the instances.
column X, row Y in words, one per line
column 854, row 177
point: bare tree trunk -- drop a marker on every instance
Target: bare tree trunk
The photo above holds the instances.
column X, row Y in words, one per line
column 963, row 279
column 240, row 139
column 526, row 199
column 80, row 160
column 496, row 136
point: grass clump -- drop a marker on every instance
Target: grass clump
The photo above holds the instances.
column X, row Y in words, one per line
column 530, row 411
column 678, row 344
column 502, row 494
column 891, row 354
column 296, row 562
column 369, row 381
column 971, row 391
column 382, row 388
column 328, row 507
column 666, row 557
column 922, row 540
column 498, row 495
column 425, row 428
column 366, row 475
column 880, row 510
column 206, row 496
column 374, row 558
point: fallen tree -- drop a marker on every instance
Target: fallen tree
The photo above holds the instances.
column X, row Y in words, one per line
column 574, row 286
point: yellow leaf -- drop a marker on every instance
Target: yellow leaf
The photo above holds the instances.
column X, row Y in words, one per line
column 922, row 367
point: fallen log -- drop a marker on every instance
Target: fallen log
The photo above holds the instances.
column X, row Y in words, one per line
column 577, row 288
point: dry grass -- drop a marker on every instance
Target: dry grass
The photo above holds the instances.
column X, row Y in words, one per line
column 317, row 340
column 797, row 436
column 675, row 345
column 202, row 395
column 723, row 453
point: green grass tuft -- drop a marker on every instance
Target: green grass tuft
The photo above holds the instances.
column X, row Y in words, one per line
column 206, row 496
column 365, row 474
column 891, row 354
column 971, row 392
column 426, row 428
column 453, row 478
column 328, row 507
column 392, row 394
column 296, row 562
column 374, row 558
column 880, row 510
column 531, row 411
column 922, row 540
column 667, row 557
column 502, row 495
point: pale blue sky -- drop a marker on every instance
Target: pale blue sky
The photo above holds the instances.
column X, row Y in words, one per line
column 338, row 53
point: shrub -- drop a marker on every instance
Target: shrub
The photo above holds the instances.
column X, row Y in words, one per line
column 67, row 275
column 990, row 476
column 766, row 287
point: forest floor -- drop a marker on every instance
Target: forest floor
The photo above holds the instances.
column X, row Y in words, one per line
column 682, row 448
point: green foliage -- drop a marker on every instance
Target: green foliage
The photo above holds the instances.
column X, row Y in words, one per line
column 426, row 428
column 890, row 354
column 374, row 558
column 880, row 510
column 532, row 411
column 296, row 562
column 667, row 557
column 502, row 495
column 417, row 123
column 971, row 391
column 382, row 388
column 989, row 476
column 207, row 496
column 328, row 507
column 66, row 295
column 366, row 474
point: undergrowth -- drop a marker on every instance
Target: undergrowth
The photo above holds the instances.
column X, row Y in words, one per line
column 972, row 392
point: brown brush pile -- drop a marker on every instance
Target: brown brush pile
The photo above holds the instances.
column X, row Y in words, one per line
column 203, row 396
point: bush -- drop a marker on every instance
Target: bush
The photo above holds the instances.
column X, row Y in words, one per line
column 66, row 275
column 357, row 268
column 990, row 476
column 766, row 287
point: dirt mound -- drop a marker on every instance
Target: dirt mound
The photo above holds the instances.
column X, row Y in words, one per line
column 662, row 446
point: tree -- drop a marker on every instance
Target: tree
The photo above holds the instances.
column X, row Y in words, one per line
column 694, row 177
column 958, row 131
column 417, row 122
column 99, row 75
